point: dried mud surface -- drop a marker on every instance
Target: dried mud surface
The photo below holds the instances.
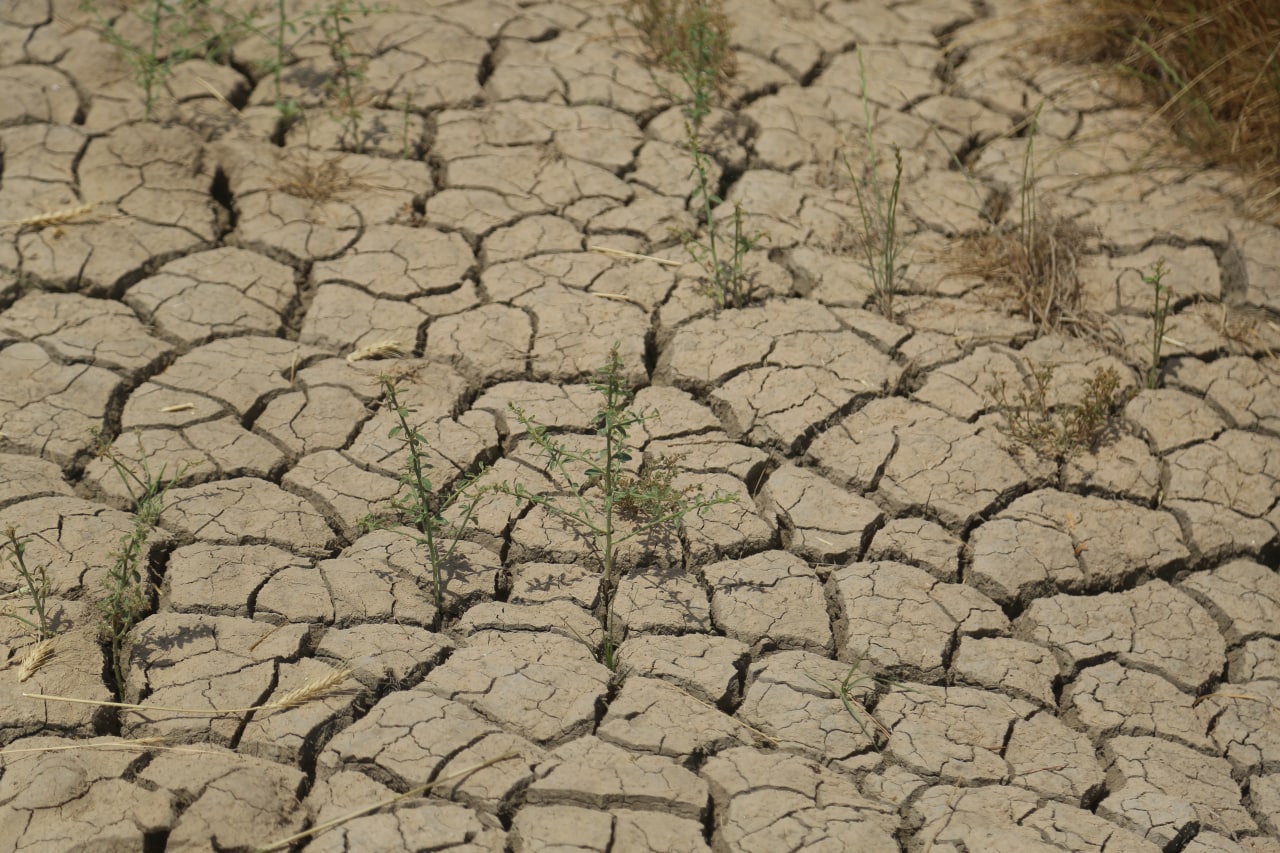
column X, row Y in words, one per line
column 1088, row 653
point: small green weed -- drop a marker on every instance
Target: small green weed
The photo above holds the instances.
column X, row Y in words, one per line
column 288, row 108
column 126, row 586
column 721, row 256
column 174, row 31
column 420, row 504
column 691, row 38
column 598, row 500
column 882, row 245
column 843, row 690
column 1059, row 433
column 1163, row 297
column 343, row 90
column 36, row 582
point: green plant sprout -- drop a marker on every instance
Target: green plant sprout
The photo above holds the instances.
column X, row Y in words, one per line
column 36, row 582
column 406, row 147
column 335, row 22
column 691, row 38
column 287, row 107
column 843, row 690
column 1163, row 297
column 878, row 208
column 421, row 505
column 1071, row 428
column 125, row 585
column 597, row 500
column 728, row 284
column 175, row 31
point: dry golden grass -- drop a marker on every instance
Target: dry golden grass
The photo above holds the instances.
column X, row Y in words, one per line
column 381, row 349
column 317, row 180
column 37, row 655
column 319, row 687
column 51, row 217
column 1212, row 67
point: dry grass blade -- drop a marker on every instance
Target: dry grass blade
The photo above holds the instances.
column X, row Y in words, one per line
column 312, row 690
column 381, row 349
column 131, row 745
column 381, row 804
column 52, row 217
column 37, row 656
column 620, row 253
column 616, row 297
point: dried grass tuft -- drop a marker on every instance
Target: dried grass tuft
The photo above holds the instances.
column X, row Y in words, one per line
column 381, row 349
column 318, row 180
column 1032, row 272
column 1211, row 66
column 317, row 688
column 52, row 217
column 37, row 656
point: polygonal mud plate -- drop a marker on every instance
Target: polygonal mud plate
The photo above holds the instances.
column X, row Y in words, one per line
column 765, row 799
column 414, row 737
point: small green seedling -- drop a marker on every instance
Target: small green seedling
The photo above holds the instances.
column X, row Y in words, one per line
column 598, row 500
column 175, row 31
column 843, row 690
column 36, row 582
column 418, row 502
column 882, row 245
column 1163, row 297
column 728, row 283
column 343, row 90
column 125, row 587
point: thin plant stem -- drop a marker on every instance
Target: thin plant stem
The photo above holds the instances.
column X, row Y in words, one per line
column 594, row 504
column 36, row 582
column 423, row 505
column 1162, row 297
column 878, row 210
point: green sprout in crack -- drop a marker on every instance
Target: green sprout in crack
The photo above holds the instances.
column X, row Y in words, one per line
column 419, row 503
column 36, row 582
column 125, row 596
column 1163, row 297
column 844, row 690
column 604, row 501
column 1064, row 431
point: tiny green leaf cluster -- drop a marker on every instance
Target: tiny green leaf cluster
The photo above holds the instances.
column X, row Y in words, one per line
column 603, row 500
column 419, row 503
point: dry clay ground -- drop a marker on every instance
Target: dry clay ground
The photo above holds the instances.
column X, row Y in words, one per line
column 1089, row 654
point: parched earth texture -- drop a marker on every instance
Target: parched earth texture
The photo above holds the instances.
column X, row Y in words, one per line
column 1085, row 655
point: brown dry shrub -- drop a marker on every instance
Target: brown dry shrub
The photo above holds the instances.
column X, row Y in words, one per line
column 1032, row 268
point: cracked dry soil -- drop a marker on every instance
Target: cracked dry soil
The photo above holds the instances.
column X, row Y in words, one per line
column 1088, row 653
